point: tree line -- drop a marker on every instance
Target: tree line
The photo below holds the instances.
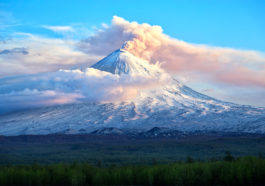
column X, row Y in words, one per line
column 230, row 171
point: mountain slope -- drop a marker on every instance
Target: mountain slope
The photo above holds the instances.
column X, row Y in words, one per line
column 122, row 62
column 170, row 105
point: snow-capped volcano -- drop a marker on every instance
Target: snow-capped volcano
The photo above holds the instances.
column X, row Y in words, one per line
column 166, row 103
column 123, row 62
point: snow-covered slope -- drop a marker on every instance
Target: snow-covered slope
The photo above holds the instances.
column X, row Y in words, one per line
column 170, row 105
column 123, row 62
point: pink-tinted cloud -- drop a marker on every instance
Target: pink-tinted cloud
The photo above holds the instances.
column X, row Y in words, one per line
column 224, row 65
column 243, row 76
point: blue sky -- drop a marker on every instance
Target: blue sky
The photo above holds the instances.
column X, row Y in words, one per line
column 238, row 24
column 222, row 53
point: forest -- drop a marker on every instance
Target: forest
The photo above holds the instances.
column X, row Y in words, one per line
column 122, row 160
column 229, row 171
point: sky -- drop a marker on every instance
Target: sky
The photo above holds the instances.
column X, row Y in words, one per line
column 216, row 47
column 238, row 24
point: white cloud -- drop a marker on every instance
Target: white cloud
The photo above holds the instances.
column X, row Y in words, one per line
column 71, row 86
column 43, row 55
column 59, row 29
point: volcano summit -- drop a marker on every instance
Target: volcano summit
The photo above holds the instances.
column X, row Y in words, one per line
column 158, row 101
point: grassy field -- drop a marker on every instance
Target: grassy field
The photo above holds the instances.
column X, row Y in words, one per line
column 242, row 171
column 124, row 150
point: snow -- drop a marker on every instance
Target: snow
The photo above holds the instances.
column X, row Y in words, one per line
column 171, row 105
column 123, row 62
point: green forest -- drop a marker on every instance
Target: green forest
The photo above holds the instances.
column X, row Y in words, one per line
column 229, row 171
column 110, row 160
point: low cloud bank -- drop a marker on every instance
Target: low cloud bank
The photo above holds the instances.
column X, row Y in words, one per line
column 71, row 86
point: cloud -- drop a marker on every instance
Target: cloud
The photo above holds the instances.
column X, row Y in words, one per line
column 221, row 68
column 14, row 51
column 105, row 40
column 201, row 62
column 33, row 98
column 59, row 29
column 222, row 65
column 74, row 31
column 28, row 54
column 71, row 86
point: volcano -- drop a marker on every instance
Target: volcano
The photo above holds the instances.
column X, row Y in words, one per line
column 170, row 106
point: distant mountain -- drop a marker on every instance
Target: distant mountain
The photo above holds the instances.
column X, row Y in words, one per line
column 171, row 105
